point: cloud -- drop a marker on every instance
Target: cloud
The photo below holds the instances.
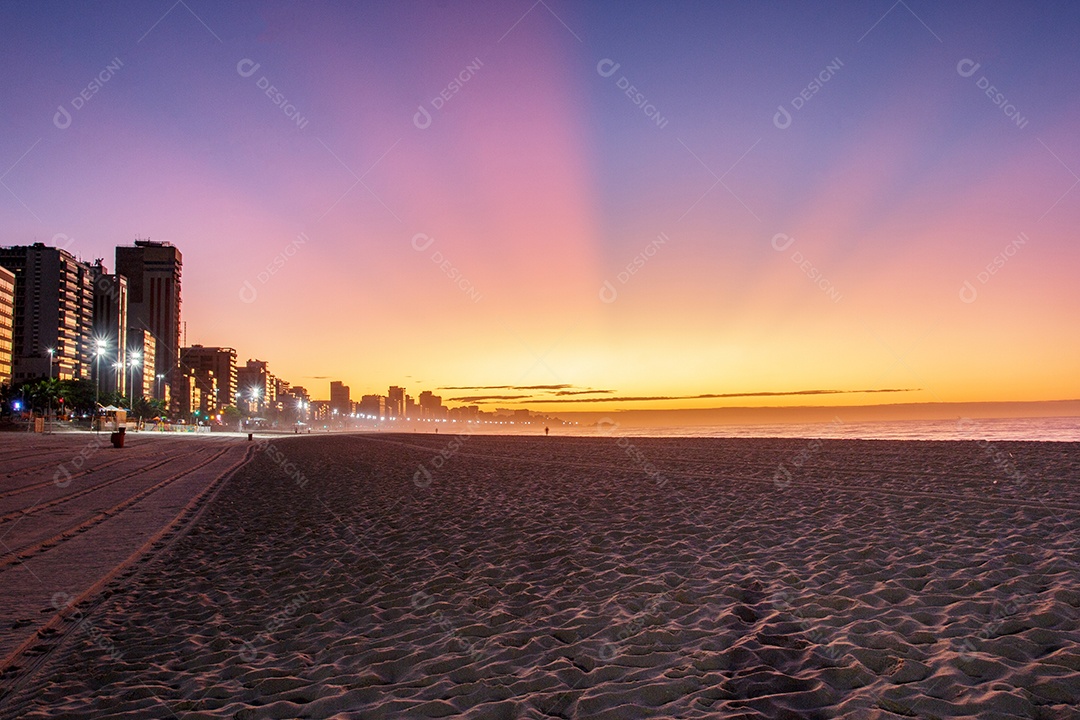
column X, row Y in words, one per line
column 584, row 392
column 560, row 390
column 506, row 387
column 489, row 398
column 703, row 396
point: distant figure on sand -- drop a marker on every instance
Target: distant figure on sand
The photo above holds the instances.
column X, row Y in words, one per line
column 547, row 431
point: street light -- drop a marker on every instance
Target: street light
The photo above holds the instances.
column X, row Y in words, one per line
column 49, row 397
column 101, row 345
column 159, row 379
column 133, row 361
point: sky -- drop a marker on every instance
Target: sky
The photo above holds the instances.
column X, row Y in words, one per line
column 576, row 206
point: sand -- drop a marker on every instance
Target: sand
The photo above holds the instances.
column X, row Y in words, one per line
column 438, row 576
column 76, row 512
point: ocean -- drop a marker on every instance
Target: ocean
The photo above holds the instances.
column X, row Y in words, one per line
column 1059, row 429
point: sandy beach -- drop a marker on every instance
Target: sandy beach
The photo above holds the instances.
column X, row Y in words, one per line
column 427, row 576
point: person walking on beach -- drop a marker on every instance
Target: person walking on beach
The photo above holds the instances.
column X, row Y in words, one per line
column 547, row 431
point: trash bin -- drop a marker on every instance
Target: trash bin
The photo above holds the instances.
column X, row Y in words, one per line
column 117, row 437
column 249, row 437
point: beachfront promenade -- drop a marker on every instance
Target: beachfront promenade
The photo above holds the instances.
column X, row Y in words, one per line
column 76, row 513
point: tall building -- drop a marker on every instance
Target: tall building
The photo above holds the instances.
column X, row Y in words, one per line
column 142, row 358
column 153, row 272
column 339, row 398
column 395, row 402
column 220, row 362
column 297, row 401
column 7, row 316
column 431, row 406
column 372, row 407
column 53, row 310
column 257, row 387
column 110, row 324
column 196, row 393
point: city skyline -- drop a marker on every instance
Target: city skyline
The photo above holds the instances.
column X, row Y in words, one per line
column 577, row 207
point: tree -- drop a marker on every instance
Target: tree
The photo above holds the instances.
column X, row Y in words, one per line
column 144, row 407
column 79, row 395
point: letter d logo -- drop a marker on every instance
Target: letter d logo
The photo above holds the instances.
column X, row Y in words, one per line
column 968, row 293
column 607, row 67
column 782, row 118
column 247, row 67
column 608, row 293
column 62, row 118
column 422, row 118
column 248, row 293
column 250, row 653
column 421, row 242
column 62, row 477
column 782, row 478
column 60, row 600
column 967, row 67
column 784, row 238
column 422, row 477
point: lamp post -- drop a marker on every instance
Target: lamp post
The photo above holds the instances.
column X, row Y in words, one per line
column 134, row 358
column 48, row 398
column 101, row 345
column 160, row 377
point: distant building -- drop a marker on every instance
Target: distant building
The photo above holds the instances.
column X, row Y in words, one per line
column 110, row 324
column 282, row 400
column 431, row 406
column 257, row 387
column 465, row 413
column 153, row 271
column 220, row 362
column 141, row 358
column 53, row 310
column 320, row 411
column 196, row 394
column 395, row 402
column 372, row 406
column 7, row 316
column 296, row 404
column 339, row 398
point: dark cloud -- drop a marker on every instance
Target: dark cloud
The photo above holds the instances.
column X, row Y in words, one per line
column 584, row 392
column 489, row 398
column 703, row 396
column 506, row 387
